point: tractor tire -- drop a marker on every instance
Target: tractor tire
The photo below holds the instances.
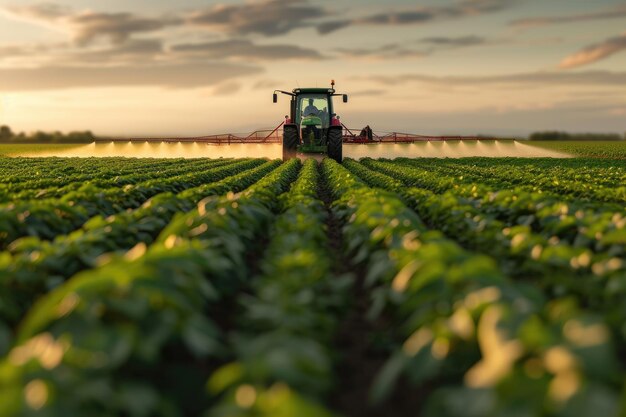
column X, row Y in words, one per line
column 290, row 141
column 335, row 143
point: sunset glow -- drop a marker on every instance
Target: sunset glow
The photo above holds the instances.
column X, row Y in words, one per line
column 505, row 67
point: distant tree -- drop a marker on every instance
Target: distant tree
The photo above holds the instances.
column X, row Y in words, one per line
column 555, row 135
column 6, row 133
column 41, row 137
column 80, row 137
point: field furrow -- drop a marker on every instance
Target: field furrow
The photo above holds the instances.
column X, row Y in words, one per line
column 289, row 319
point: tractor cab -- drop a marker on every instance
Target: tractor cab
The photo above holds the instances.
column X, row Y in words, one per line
column 312, row 126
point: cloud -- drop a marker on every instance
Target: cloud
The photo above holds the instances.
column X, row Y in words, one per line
column 265, row 17
column 547, row 78
column 595, row 53
column 457, row 42
column 172, row 76
column 227, row 89
column 87, row 26
column 368, row 93
column 40, row 11
column 245, row 50
column 406, row 51
column 389, row 51
column 134, row 50
column 118, row 27
column 420, row 15
column 615, row 13
column 266, row 83
column 22, row 50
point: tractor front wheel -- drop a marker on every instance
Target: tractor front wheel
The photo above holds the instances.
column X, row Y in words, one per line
column 335, row 143
column 290, row 141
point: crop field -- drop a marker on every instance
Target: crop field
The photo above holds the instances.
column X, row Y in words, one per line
column 252, row 287
column 592, row 149
column 35, row 148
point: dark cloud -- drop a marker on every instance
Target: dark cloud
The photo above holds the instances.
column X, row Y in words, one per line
column 389, row 51
column 246, row 50
column 173, row 76
column 134, row 50
column 266, row 83
column 457, row 42
column 405, row 50
column 595, row 53
column 420, row 15
column 40, row 11
column 595, row 78
column 266, row 17
column 227, row 89
column 118, row 27
column 19, row 50
column 617, row 12
column 368, row 93
column 88, row 26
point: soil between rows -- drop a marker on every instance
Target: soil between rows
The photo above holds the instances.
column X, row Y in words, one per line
column 359, row 356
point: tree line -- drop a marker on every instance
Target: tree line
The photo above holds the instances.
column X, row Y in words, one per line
column 555, row 135
column 8, row 136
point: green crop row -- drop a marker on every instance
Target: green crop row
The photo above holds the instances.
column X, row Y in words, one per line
column 49, row 218
column 283, row 343
column 588, row 149
column 53, row 188
column 136, row 337
column 438, row 288
column 17, row 170
column 481, row 343
column 507, row 176
column 34, row 266
column 556, row 266
column 42, row 177
column 597, row 229
column 606, row 173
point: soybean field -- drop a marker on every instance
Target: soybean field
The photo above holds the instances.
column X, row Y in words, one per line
column 253, row 287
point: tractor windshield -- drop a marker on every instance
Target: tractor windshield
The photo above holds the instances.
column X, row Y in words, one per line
column 313, row 105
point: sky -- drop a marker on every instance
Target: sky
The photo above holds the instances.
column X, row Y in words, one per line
column 189, row 68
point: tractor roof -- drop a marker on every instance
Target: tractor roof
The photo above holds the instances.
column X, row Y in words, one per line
column 313, row 91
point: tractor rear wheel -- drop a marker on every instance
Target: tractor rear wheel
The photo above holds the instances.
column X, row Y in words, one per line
column 335, row 143
column 290, row 141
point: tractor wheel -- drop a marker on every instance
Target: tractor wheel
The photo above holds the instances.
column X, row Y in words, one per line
column 335, row 143
column 290, row 141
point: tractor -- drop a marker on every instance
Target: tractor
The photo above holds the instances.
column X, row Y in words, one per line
column 312, row 127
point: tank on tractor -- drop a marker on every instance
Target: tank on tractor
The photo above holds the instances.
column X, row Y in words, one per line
column 312, row 126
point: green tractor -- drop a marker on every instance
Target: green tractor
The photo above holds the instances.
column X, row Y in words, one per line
column 312, row 127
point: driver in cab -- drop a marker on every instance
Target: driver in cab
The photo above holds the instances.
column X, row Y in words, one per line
column 311, row 109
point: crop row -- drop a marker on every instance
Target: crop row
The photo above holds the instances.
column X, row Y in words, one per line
column 36, row 266
column 597, row 229
column 56, row 188
column 222, row 295
column 554, row 265
column 49, row 218
column 128, row 339
column 589, row 171
column 20, row 170
column 284, row 339
column 480, row 342
column 508, row 176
